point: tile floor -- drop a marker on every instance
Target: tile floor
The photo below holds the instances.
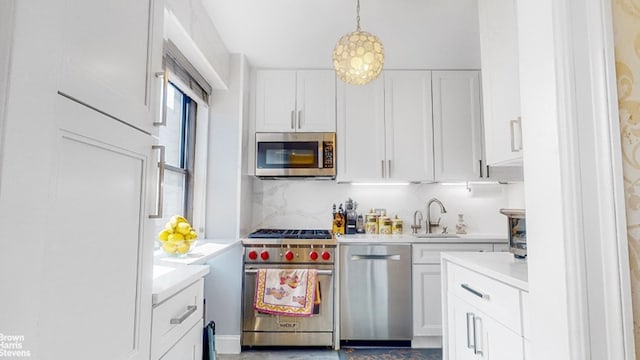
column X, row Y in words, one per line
column 282, row 354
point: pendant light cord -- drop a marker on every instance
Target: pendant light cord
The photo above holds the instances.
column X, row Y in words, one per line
column 358, row 15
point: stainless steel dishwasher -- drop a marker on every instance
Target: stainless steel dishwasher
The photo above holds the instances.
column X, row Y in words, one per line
column 375, row 292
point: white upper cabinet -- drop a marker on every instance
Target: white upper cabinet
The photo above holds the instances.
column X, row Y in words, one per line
column 500, row 81
column 295, row 101
column 409, row 125
column 457, row 126
column 111, row 51
column 360, row 134
column 385, row 129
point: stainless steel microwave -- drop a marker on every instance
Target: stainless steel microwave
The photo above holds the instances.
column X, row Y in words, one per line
column 296, row 155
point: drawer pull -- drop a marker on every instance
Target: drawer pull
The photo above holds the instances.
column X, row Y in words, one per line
column 190, row 310
column 475, row 292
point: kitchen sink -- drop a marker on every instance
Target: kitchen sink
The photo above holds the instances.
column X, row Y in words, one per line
column 436, row 236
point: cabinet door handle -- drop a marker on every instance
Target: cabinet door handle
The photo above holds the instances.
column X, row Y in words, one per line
column 469, row 335
column 476, row 348
column 474, row 291
column 293, row 119
column 382, row 167
column 487, row 172
column 299, row 119
column 512, row 124
column 163, row 98
column 480, row 166
column 190, row 310
column 160, row 198
column 389, row 167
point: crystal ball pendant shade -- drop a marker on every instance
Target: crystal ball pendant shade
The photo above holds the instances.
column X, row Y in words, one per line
column 358, row 58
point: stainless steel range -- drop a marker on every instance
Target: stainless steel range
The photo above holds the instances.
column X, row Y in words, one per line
column 289, row 249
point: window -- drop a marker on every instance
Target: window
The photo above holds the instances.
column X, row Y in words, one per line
column 184, row 138
column 178, row 137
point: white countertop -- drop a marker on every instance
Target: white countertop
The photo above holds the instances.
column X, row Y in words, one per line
column 500, row 266
column 172, row 274
column 168, row 280
column 205, row 249
column 411, row 239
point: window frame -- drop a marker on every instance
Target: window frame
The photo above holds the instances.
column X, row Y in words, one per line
column 195, row 163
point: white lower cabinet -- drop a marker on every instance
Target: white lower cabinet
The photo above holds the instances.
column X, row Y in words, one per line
column 177, row 325
column 426, row 288
column 188, row 348
column 483, row 317
column 475, row 335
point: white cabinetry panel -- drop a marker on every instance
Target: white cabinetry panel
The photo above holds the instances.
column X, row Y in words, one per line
column 500, row 81
column 110, row 53
column 98, row 257
column 457, row 126
column 427, row 289
column 427, row 294
column 275, row 100
column 188, row 348
column 316, row 101
column 295, row 101
column 360, row 134
column 409, row 125
column 385, row 129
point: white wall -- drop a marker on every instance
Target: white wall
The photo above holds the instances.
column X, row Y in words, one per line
column 202, row 32
column 228, row 197
column 307, row 204
column 226, row 139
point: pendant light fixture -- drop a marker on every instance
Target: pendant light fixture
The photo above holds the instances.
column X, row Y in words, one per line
column 358, row 56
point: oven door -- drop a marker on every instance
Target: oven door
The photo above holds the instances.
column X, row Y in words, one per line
column 255, row 321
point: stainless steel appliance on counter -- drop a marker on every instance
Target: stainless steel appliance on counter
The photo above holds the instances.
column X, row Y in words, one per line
column 288, row 249
column 517, row 225
column 295, row 155
column 375, row 292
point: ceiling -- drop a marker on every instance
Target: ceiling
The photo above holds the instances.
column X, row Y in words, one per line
column 429, row 34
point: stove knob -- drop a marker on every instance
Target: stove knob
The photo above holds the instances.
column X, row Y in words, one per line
column 253, row 254
column 313, row 255
column 288, row 255
column 326, row 255
column 264, row 255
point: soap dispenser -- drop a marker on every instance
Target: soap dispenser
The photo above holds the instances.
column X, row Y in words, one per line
column 461, row 227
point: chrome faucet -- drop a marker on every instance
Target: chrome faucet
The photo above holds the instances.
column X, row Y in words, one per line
column 431, row 224
column 417, row 224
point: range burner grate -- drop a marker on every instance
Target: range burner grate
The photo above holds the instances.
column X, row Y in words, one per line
column 290, row 234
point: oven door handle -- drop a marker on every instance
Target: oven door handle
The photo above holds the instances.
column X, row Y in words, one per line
column 320, row 272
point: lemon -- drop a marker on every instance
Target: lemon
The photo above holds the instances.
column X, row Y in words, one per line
column 177, row 219
column 191, row 236
column 183, row 228
column 183, row 248
column 164, row 235
column 168, row 227
column 176, row 238
column 169, row 248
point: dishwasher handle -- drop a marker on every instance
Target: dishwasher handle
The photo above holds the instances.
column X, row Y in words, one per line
column 375, row 257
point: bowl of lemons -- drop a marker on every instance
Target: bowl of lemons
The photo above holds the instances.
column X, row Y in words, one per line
column 178, row 237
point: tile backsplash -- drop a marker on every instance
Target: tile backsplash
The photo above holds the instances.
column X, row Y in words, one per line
column 307, row 204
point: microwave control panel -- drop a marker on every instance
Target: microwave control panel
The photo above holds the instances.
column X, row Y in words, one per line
column 328, row 153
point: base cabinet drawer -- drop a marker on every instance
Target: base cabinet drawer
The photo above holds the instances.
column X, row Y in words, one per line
column 187, row 348
column 175, row 317
column 496, row 299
